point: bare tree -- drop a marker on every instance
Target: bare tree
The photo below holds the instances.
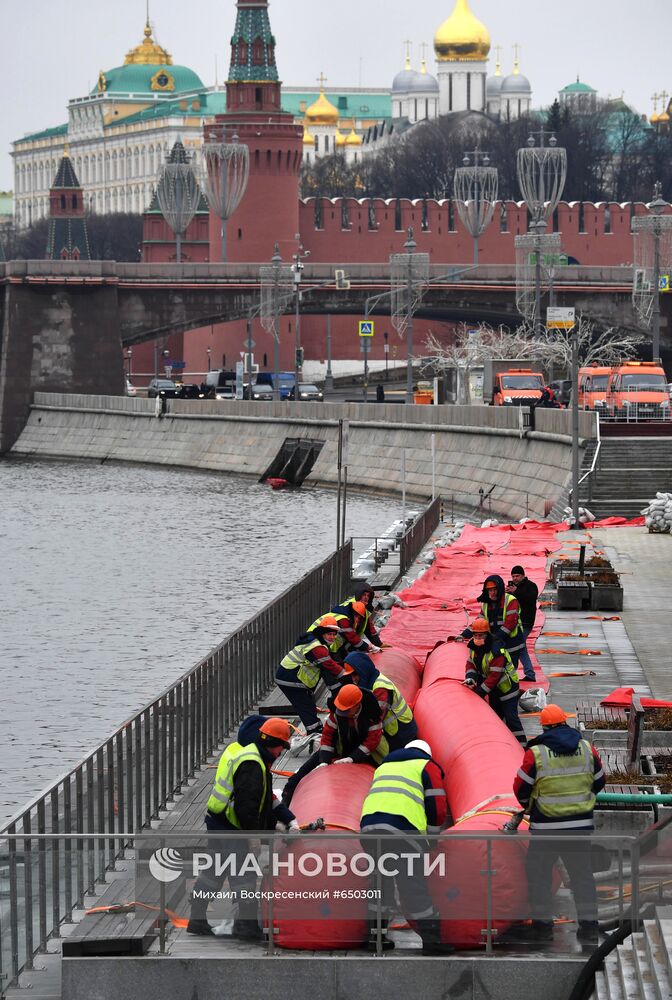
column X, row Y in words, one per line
column 596, row 347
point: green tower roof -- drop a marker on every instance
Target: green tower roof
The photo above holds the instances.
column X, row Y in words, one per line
column 252, row 44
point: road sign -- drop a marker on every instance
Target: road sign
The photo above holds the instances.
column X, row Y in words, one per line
column 664, row 285
column 366, row 328
column 560, row 319
column 249, row 344
column 549, row 260
column 386, row 348
column 364, row 346
column 180, row 365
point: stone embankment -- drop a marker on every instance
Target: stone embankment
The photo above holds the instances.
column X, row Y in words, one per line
column 459, row 449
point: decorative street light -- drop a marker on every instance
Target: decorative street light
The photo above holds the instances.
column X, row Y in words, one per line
column 129, row 358
column 226, row 174
column 653, row 254
column 476, row 185
column 277, row 289
column 209, row 352
column 542, row 172
column 297, row 268
column 409, row 273
column 178, row 194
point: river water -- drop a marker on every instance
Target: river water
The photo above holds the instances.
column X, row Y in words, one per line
column 117, row 578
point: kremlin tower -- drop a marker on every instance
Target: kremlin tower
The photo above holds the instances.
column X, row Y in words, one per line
column 269, row 212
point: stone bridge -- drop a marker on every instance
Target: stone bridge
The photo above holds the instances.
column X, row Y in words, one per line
column 64, row 323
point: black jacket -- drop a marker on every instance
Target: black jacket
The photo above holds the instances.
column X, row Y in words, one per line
column 248, row 796
column 526, row 593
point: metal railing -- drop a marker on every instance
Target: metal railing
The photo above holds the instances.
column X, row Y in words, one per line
column 634, row 412
column 418, row 534
column 121, row 786
column 589, row 475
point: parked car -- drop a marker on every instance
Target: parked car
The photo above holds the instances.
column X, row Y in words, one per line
column 308, row 392
column 130, row 388
column 162, row 385
column 562, row 390
column 258, row 392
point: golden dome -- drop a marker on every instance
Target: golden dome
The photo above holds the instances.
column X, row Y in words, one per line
column 322, row 112
column 663, row 118
column 340, row 138
column 462, row 38
column 353, row 139
column 148, row 53
column 308, row 139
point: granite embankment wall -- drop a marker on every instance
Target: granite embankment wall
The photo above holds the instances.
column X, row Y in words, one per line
column 475, row 446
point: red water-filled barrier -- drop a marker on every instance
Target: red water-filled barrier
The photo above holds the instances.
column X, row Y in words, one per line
column 336, row 794
column 479, row 755
column 480, row 758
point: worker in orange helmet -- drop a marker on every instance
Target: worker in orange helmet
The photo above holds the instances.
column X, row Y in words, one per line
column 242, row 801
column 491, row 674
column 557, row 782
column 352, row 734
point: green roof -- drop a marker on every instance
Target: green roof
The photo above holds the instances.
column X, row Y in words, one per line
column 252, row 26
column 359, row 104
column 137, row 79
column 210, row 104
column 578, row 88
column 46, row 133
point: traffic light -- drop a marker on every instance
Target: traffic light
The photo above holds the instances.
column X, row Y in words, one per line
column 299, row 358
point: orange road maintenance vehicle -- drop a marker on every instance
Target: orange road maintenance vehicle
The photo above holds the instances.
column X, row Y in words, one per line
column 637, row 390
column 593, row 382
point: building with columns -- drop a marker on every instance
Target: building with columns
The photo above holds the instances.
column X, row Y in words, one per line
column 117, row 136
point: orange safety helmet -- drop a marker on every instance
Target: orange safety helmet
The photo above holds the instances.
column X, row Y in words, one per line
column 349, row 669
column 277, row 730
column 359, row 608
column 328, row 622
column 348, row 697
column 479, row 626
column 552, row 715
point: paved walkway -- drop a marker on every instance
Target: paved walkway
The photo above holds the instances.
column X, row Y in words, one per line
column 645, row 564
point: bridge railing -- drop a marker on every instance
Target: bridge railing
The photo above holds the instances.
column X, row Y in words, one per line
column 322, row 273
column 129, row 778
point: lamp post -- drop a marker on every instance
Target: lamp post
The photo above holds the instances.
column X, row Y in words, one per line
column 386, row 349
column 178, row 194
column 297, row 268
column 226, row 175
column 409, row 273
column 329, row 376
column 277, row 288
column 542, row 172
column 129, row 358
column 209, row 352
column 649, row 230
column 476, row 185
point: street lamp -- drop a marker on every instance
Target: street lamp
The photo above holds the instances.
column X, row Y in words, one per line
column 476, row 187
column 129, row 358
column 542, row 172
column 297, row 268
column 226, row 175
column 178, row 194
column 386, row 349
column 409, row 273
column 649, row 261
column 209, row 352
column 277, row 288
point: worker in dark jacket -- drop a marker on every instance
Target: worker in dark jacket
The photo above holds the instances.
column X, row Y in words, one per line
column 557, row 782
column 526, row 593
column 502, row 612
column 362, row 594
column 301, row 670
column 491, row 674
column 352, row 734
column 406, row 795
column 399, row 725
column 242, row 799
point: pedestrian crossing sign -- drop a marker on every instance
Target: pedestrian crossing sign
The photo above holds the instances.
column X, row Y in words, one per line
column 366, row 328
column 664, row 285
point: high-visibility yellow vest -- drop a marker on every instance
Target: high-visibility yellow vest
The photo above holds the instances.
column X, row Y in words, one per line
column 397, row 789
column 507, row 679
column 307, row 671
column 220, row 800
column 564, row 783
column 398, row 710
column 507, row 600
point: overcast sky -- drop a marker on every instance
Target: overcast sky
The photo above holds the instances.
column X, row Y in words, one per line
column 54, row 51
